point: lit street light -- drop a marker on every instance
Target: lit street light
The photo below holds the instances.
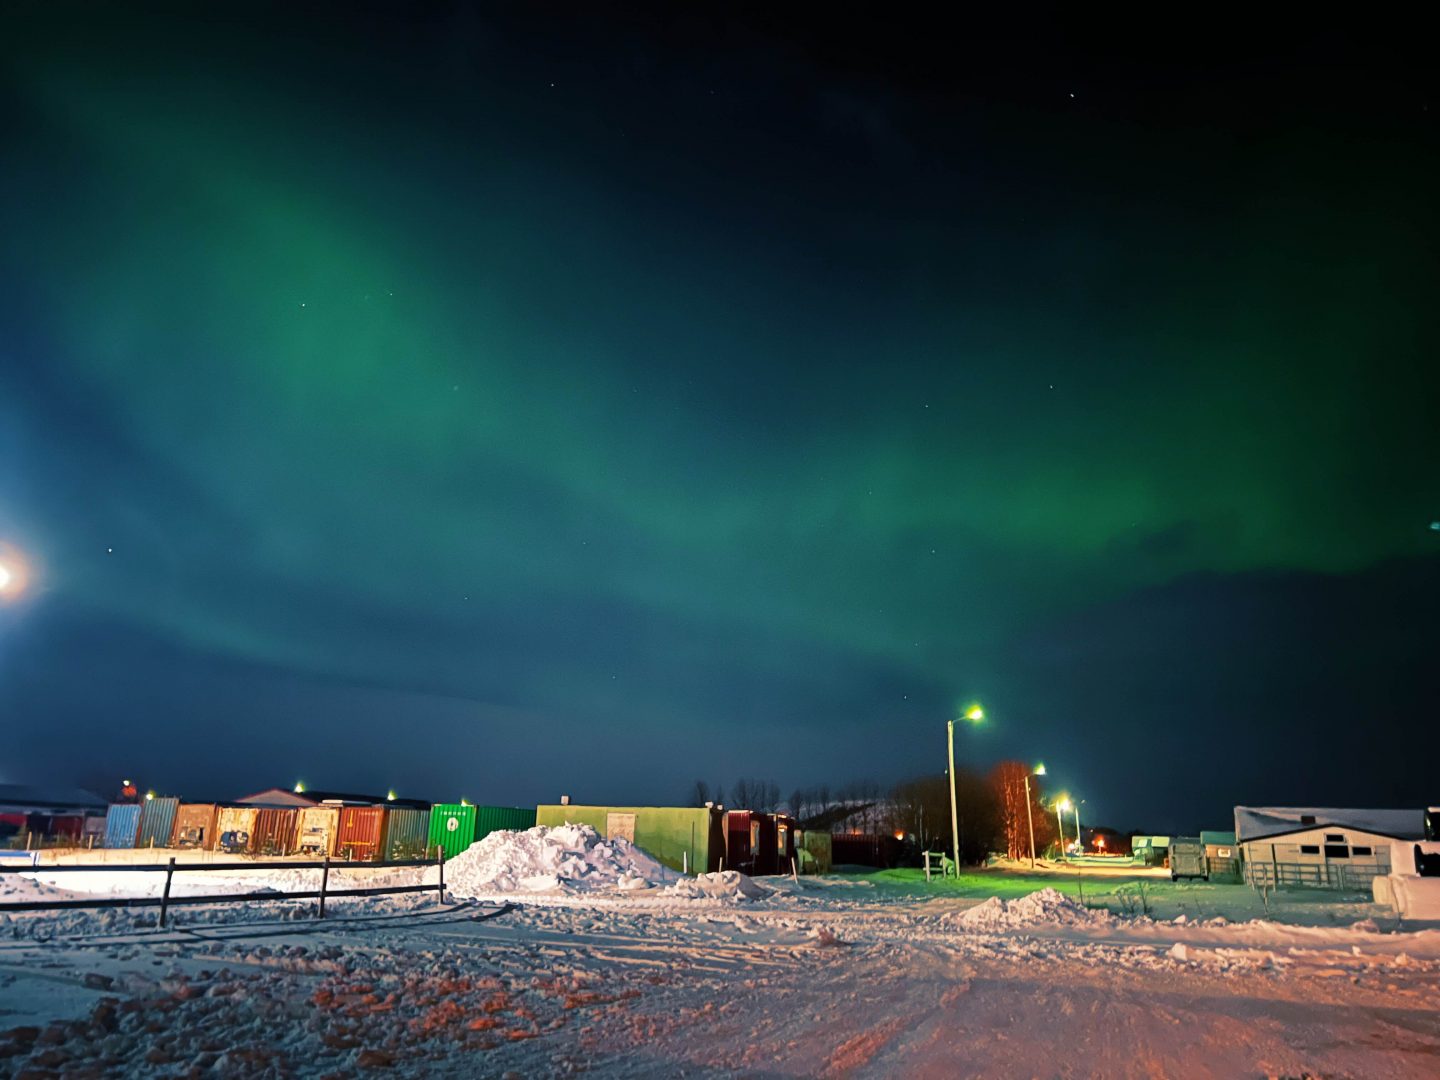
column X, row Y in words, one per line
column 974, row 714
column 1039, row 770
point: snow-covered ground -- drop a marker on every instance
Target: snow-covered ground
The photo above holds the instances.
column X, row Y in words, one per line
column 579, row 954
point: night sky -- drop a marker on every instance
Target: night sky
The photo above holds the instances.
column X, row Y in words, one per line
column 515, row 402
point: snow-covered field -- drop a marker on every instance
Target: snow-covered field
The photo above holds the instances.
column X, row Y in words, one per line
column 561, row 952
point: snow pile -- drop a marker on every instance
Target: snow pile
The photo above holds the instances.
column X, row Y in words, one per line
column 1047, row 906
column 545, row 859
column 725, row 885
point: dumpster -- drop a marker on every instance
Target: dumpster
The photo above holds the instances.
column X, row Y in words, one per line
column 1187, row 858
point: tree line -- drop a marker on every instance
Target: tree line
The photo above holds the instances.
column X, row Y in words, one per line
column 990, row 809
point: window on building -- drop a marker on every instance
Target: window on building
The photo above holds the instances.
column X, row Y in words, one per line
column 1337, row 851
column 1307, row 819
column 1309, row 849
column 1357, row 851
column 1334, row 838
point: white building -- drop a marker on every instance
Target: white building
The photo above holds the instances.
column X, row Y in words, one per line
column 1325, row 847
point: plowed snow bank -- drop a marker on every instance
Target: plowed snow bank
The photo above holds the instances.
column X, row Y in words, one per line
column 571, row 858
column 1046, row 906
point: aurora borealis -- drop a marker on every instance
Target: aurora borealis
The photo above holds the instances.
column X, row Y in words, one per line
column 489, row 404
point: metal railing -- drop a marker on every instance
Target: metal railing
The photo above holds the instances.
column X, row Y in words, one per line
column 165, row 901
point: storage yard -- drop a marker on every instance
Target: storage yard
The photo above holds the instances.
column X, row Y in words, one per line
column 328, row 934
column 558, row 951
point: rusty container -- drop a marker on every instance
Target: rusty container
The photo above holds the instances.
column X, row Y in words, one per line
column 235, row 829
column 274, row 831
column 195, row 826
column 315, row 833
column 358, row 837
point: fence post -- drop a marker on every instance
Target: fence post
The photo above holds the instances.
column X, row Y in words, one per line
column 440, row 862
column 324, row 882
column 165, row 896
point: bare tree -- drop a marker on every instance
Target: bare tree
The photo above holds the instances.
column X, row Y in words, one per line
column 700, row 793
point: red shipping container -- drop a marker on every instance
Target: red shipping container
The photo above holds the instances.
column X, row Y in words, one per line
column 274, row 832
column 361, row 828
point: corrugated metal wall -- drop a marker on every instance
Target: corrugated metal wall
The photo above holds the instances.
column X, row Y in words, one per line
column 315, row 834
column 490, row 819
column 195, row 826
column 406, row 833
column 239, row 820
column 122, row 825
column 677, row 836
column 274, row 831
column 157, row 822
column 360, row 831
column 452, row 828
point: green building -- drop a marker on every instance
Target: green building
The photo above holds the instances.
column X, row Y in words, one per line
column 680, row 837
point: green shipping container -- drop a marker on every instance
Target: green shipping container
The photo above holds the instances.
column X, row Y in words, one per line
column 452, row 828
column 680, row 837
column 407, row 832
column 490, row 819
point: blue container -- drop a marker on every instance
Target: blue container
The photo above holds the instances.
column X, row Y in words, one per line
column 157, row 822
column 122, row 825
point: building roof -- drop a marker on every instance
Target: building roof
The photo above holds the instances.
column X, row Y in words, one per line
column 1261, row 822
column 48, row 799
column 310, row 797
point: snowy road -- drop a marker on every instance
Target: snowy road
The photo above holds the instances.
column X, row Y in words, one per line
column 822, row 982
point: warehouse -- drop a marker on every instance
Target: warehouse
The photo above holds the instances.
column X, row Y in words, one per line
column 1323, row 847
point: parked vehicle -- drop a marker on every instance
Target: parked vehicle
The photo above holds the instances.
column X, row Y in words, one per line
column 1187, row 859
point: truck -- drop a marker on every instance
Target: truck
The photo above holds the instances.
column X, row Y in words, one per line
column 1187, row 858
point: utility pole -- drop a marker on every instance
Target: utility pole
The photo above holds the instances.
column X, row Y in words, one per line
column 954, row 814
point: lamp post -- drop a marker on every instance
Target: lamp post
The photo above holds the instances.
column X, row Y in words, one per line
column 1039, row 770
column 1060, row 808
column 1079, row 841
column 974, row 714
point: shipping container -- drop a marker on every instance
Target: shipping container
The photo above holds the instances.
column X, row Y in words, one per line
column 680, row 837
column 122, row 825
column 157, row 822
column 274, row 831
column 361, row 830
column 817, row 855
column 406, row 833
column 195, row 826
column 1222, row 855
column 234, row 827
column 490, row 819
column 315, row 833
column 452, row 828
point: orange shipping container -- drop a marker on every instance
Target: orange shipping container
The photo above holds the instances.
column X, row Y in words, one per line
column 360, row 830
column 274, row 832
column 195, row 826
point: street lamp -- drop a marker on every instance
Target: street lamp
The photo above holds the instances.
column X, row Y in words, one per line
column 1060, row 808
column 1079, row 841
column 1039, row 770
column 974, row 714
